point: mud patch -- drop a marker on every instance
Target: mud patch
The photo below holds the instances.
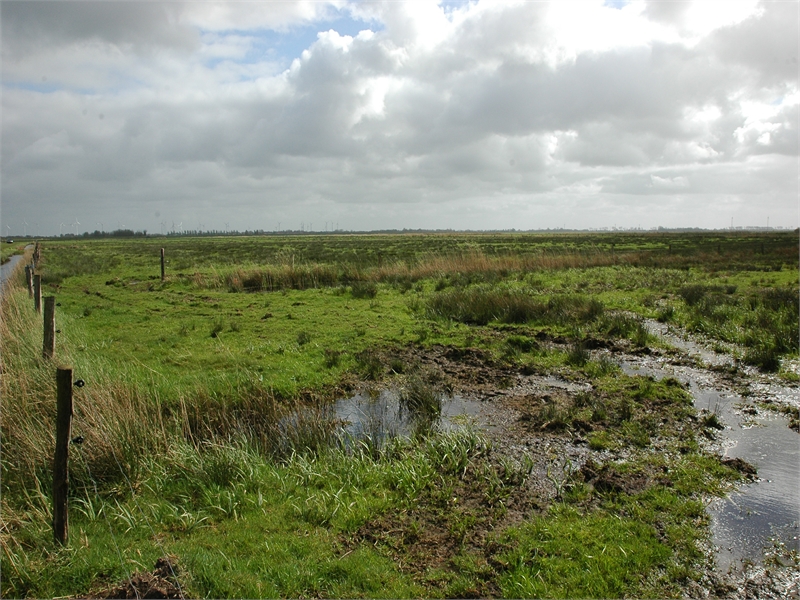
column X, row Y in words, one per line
column 744, row 467
column 607, row 479
column 159, row 583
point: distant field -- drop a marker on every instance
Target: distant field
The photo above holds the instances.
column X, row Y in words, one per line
column 113, row 290
column 9, row 250
column 209, row 436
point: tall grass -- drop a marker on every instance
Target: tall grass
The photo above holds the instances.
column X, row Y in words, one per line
column 468, row 267
column 765, row 321
column 126, row 425
column 119, row 423
column 481, row 305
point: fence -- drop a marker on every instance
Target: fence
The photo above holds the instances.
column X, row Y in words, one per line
column 65, row 387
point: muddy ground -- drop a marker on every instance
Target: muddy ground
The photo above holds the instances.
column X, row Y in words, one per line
column 161, row 582
column 539, row 458
column 512, row 398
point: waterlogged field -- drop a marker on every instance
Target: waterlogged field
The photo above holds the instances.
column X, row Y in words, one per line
column 210, row 437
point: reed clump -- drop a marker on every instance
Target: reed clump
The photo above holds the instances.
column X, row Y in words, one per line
column 465, row 268
column 482, row 304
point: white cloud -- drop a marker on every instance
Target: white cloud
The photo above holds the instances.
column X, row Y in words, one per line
column 669, row 182
column 419, row 115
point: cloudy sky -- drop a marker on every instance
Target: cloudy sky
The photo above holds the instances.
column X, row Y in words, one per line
column 371, row 115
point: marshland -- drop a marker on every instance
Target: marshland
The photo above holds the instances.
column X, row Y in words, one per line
column 456, row 415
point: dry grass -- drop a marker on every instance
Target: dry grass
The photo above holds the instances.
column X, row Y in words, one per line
column 473, row 266
column 119, row 423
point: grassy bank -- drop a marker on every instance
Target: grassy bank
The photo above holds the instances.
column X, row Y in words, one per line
column 7, row 250
column 208, row 435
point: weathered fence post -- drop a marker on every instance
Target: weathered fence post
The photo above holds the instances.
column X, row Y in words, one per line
column 60, row 471
column 49, row 345
column 37, row 293
column 162, row 265
column 29, row 280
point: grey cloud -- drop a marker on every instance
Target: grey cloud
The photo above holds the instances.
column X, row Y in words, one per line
column 469, row 123
column 28, row 26
column 766, row 45
column 668, row 12
column 726, row 179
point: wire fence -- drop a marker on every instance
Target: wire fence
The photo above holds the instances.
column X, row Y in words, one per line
column 78, row 443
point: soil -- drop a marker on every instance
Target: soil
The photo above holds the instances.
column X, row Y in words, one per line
column 161, row 582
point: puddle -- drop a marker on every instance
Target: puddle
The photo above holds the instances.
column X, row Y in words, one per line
column 8, row 268
column 767, row 510
column 381, row 417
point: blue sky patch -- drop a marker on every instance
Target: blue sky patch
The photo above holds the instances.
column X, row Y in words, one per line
column 282, row 47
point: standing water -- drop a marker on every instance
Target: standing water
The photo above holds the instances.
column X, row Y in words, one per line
column 8, row 268
column 381, row 416
column 762, row 513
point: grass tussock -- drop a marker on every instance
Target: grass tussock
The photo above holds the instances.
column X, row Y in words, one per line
column 422, row 395
column 480, row 305
column 764, row 321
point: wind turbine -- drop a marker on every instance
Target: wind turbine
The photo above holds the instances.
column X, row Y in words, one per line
column 180, row 226
column 25, row 227
column 8, row 230
column 163, row 224
column 60, row 229
column 102, row 229
column 226, row 228
column 76, row 223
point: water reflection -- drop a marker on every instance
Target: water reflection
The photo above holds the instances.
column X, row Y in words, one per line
column 759, row 513
column 8, row 268
column 379, row 416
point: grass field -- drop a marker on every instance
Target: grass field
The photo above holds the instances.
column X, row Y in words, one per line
column 8, row 250
column 208, row 431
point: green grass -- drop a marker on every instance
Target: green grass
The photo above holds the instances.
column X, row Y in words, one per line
column 9, row 250
column 566, row 554
column 206, row 414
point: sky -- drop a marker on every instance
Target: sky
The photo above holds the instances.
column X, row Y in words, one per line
column 169, row 116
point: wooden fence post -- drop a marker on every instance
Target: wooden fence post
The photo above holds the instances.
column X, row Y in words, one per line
column 29, row 280
column 162, row 265
column 37, row 293
column 49, row 346
column 60, row 471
